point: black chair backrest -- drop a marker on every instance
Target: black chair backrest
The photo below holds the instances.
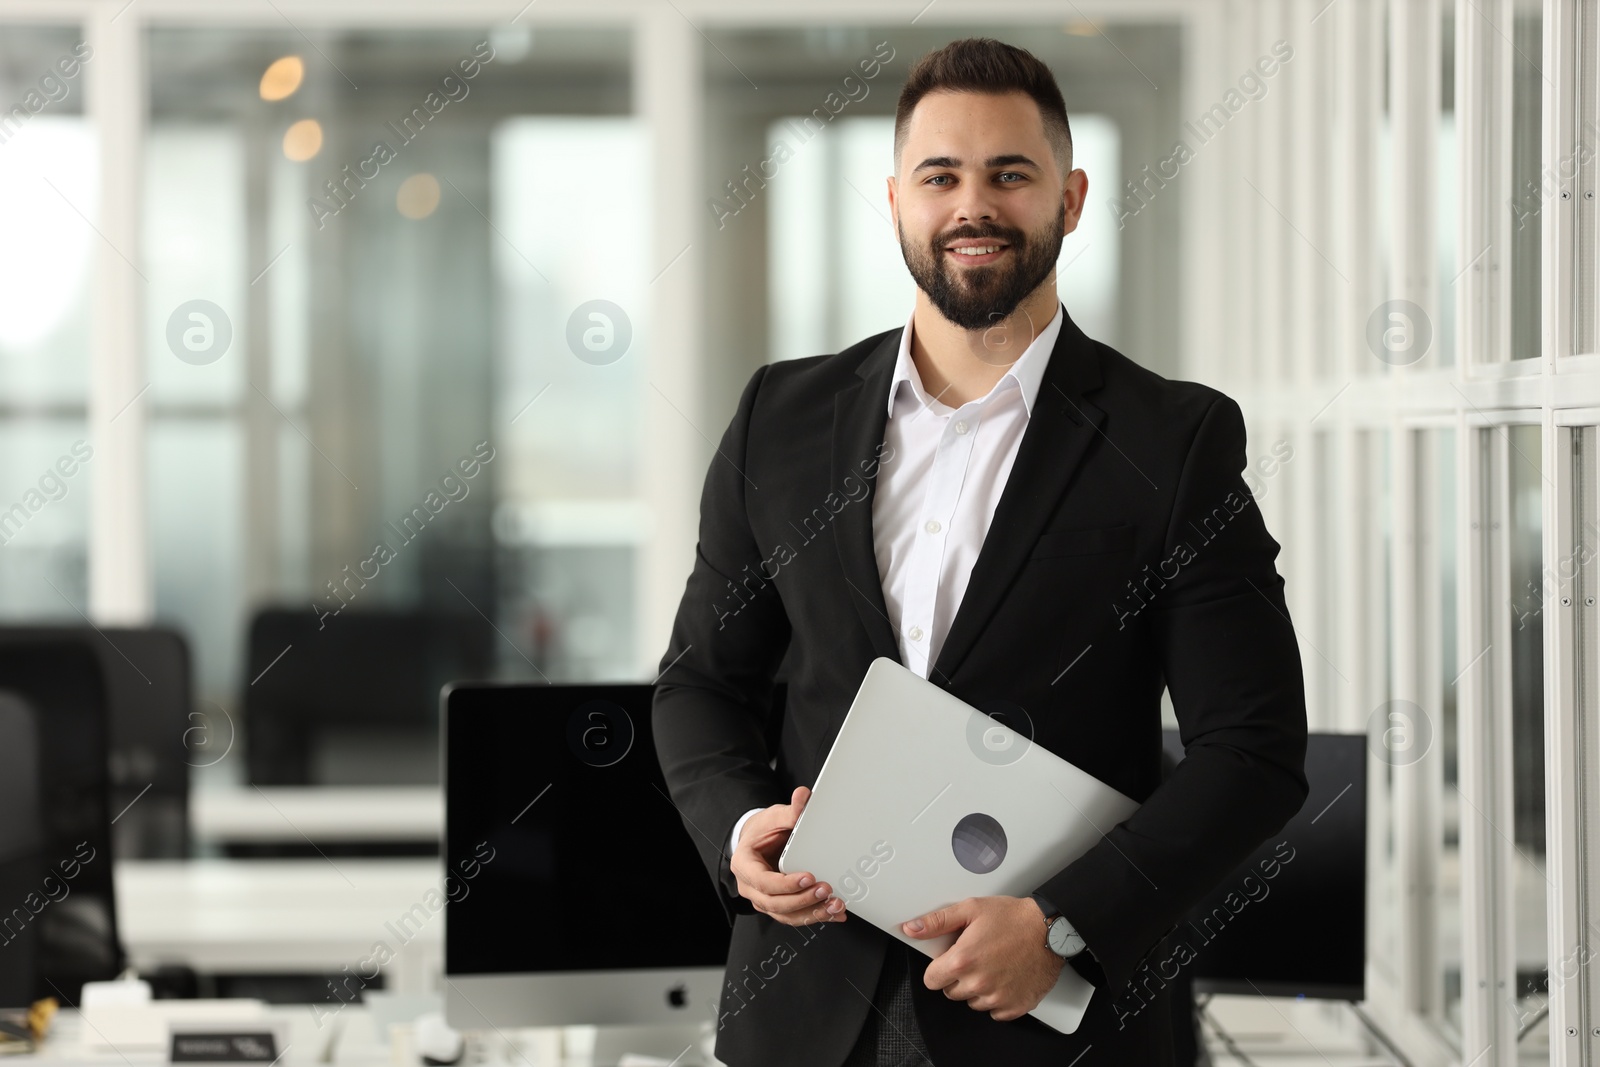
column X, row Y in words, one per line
column 366, row 670
column 21, row 850
column 151, row 711
column 61, row 678
column 153, row 739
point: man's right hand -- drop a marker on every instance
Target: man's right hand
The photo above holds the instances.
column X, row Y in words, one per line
column 795, row 899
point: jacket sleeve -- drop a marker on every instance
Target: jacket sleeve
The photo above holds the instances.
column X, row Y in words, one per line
column 1232, row 665
column 716, row 676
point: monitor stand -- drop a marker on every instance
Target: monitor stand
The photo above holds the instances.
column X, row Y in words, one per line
column 691, row 1041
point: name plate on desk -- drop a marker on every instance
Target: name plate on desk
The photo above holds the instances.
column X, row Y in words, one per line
column 242, row 1046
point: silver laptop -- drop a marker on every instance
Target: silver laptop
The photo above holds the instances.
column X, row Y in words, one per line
column 924, row 801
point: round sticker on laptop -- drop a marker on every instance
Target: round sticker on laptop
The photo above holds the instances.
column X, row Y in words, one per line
column 979, row 842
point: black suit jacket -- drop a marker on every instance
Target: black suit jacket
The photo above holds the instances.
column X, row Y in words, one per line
column 1126, row 554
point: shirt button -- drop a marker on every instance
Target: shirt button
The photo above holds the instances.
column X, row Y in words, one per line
column 916, row 633
column 933, row 526
column 961, row 427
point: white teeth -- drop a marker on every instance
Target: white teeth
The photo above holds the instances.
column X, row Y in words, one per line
column 975, row 251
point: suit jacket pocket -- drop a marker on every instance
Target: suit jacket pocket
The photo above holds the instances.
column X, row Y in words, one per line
column 1082, row 542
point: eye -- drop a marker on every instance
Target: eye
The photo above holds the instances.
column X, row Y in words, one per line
column 1014, row 173
column 936, row 176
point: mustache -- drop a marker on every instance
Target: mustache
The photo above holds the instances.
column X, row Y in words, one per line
column 1010, row 237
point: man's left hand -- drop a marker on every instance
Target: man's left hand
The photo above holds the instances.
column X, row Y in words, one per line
column 999, row 962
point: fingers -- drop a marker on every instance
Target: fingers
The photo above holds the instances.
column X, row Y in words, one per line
column 796, row 898
column 762, row 828
column 793, row 899
column 804, row 910
column 978, row 995
column 962, row 988
column 756, row 874
column 938, row 922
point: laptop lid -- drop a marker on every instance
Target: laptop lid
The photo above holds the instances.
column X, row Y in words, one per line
column 924, row 801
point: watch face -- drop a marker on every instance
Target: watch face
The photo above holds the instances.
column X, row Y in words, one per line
column 1064, row 940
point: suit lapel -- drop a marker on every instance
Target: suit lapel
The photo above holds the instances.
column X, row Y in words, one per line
column 860, row 415
column 1061, row 426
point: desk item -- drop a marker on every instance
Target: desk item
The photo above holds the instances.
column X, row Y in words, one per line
column 924, row 801
column 22, row 1029
column 123, row 1028
column 128, row 988
column 436, row 1042
column 192, row 1044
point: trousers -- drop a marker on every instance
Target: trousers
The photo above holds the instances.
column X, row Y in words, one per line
column 890, row 1037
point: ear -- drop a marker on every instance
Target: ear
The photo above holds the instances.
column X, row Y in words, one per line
column 1074, row 194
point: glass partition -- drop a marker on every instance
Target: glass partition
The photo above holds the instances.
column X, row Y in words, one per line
column 49, row 194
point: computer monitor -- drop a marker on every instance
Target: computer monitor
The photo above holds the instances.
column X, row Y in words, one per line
column 1291, row 920
column 573, row 894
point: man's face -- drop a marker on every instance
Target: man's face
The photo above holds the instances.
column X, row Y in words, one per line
column 977, row 170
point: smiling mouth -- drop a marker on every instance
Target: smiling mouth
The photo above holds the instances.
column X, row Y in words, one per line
column 973, row 255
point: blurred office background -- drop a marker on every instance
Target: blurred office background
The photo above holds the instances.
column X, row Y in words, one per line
column 267, row 349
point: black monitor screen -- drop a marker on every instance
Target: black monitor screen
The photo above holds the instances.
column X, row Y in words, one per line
column 563, row 849
column 1291, row 920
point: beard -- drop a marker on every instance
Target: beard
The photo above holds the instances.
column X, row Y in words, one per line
column 974, row 298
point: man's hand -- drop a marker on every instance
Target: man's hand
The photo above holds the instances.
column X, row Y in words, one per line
column 999, row 962
column 795, row 899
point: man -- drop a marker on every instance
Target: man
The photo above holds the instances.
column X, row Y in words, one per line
column 1027, row 518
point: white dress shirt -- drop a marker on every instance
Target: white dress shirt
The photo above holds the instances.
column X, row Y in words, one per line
column 937, row 493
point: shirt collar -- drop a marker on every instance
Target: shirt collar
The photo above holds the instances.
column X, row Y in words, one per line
column 1027, row 372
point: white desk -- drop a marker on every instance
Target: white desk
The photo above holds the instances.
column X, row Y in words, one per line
column 281, row 916
column 320, row 813
column 298, row 915
column 1275, row 1033
column 351, row 1039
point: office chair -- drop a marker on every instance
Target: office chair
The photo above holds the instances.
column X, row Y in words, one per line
column 149, row 684
column 150, row 706
column 76, row 935
column 21, row 849
column 311, row 684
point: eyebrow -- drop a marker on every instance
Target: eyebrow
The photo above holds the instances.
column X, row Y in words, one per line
column 1012, row 160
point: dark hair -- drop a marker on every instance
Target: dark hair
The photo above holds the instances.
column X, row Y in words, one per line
column 985, row 65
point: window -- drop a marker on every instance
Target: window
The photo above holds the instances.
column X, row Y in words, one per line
column 47, row 163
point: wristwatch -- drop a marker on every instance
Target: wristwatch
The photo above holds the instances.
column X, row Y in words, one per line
column 1060, row 935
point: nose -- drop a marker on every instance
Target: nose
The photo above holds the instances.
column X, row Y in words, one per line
column 976, row 205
